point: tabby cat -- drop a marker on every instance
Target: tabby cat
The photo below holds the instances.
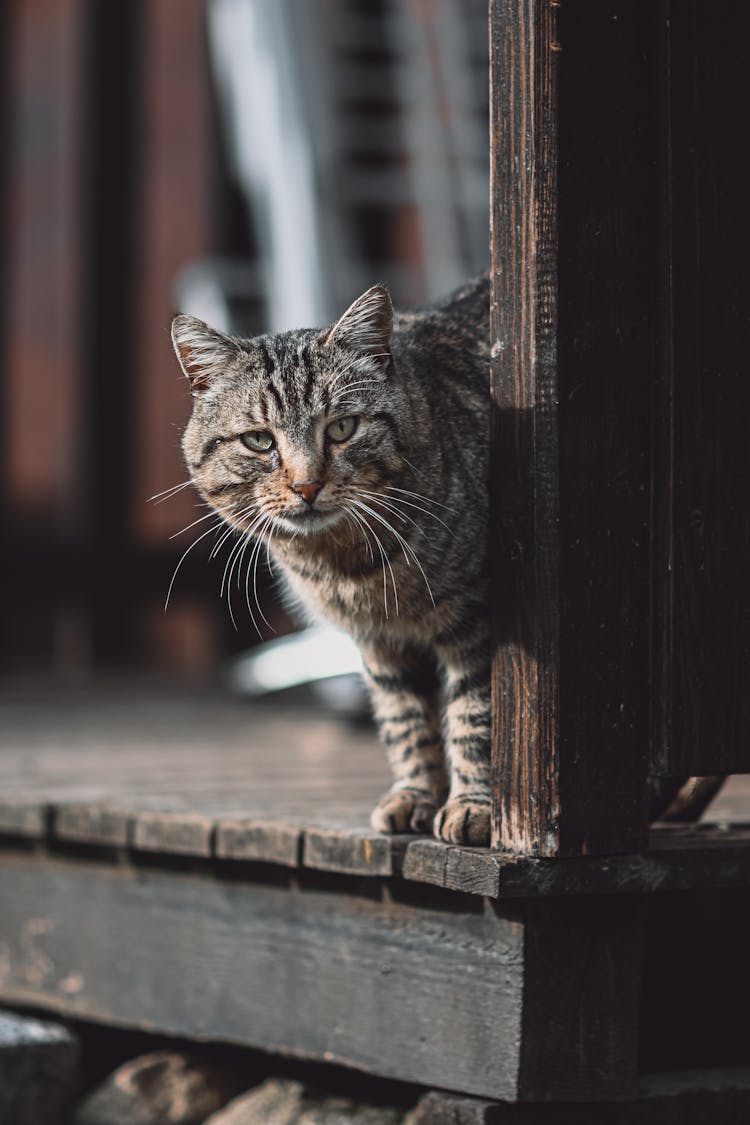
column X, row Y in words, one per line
column 359, row 455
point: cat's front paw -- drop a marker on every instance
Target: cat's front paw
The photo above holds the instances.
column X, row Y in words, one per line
column 405, row 810
column 464, row 820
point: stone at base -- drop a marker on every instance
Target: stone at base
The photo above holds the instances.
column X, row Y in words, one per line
column 39, row 1073
column 165, row 1086
column 286, row 1102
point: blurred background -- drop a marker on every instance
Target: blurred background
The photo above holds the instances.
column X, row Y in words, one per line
column 255, row 162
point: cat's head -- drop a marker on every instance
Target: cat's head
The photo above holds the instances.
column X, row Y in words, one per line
column 294, row 432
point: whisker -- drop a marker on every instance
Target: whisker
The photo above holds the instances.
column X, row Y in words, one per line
column 347, row 514
column 231, row 528
column 193, row 524
column 405, row 546
column 411, row 504
column 238, row 552
column 253, row 564
column 383, row 554
column 269, row 561
column 184, row 556
column 375, row 498
column 160, row 497
column 419, row 496
column 335, row 394
column 234, row 556
column 364, row 526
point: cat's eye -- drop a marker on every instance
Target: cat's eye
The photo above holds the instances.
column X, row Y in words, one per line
column 342, row 429
column 260, row 441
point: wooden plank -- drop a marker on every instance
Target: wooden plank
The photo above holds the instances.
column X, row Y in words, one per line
column 23, row 816
column 678, row 859
column 260, row 803
column 472, row 870
column 288, row 970
column 294, row 969
column 180, row 833
column 269, row 841
column 672, row 1098
column 91, row 822
column 574, row 141
column 352, row 851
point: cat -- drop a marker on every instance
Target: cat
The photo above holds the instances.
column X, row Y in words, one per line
column 359, row 453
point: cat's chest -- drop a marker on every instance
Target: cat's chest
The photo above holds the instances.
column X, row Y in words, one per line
column 373, row 601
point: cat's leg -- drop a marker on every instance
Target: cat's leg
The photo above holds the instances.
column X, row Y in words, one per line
column 465, row 817
column 404, row 689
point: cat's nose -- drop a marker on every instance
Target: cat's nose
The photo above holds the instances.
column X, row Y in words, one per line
column 307, row 489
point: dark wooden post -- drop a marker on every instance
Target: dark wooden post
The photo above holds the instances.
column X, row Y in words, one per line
column 702, row 404
column 574, row 128
column 620, row 404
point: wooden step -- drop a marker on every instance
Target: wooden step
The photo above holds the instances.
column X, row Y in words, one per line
column 418, row 984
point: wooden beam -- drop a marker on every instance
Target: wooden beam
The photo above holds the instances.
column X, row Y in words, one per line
column 515, row 1002
column 523, row 82
column 574, row 183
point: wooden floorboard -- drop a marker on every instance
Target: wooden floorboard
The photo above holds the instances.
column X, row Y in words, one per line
column 204, row 775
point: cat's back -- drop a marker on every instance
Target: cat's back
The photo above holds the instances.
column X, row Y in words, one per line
column 447, row 339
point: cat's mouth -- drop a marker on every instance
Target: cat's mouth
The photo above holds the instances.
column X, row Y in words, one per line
column 308, row 521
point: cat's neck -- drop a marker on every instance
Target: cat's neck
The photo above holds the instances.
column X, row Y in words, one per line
column 341, row 548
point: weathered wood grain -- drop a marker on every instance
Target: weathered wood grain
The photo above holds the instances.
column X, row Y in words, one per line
column 269, row 841
column 180, row 833
column 352, row 851
column 472, row 870
column 91, row 822
column 394, row 989
column 90, row 775
column 574, row 236
column 23, row 817
column 678, row 859
column 523, row 331
column 420, row 991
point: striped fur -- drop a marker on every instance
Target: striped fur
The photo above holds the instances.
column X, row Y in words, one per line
column 393, row 545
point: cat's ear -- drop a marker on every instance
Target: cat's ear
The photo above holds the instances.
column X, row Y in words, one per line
column 203, row 352
column 366, row 324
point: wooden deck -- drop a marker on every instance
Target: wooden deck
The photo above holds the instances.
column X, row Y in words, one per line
column 207, row 776
column 204, row 868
